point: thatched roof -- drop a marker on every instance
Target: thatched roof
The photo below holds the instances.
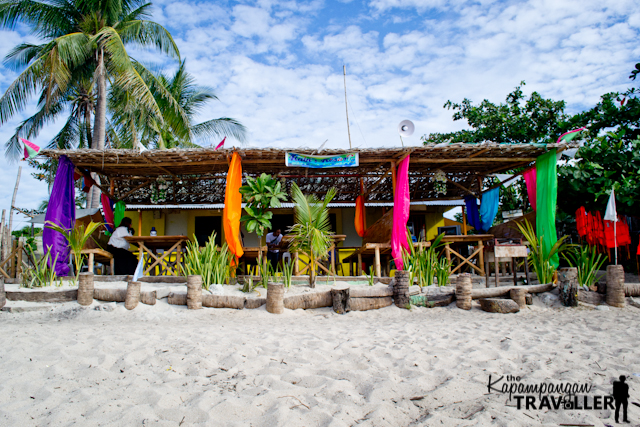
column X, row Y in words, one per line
column 198, row 175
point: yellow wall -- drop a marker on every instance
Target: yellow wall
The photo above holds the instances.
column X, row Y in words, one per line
column 147, row 222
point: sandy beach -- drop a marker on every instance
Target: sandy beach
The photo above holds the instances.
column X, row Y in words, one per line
column 165, row 366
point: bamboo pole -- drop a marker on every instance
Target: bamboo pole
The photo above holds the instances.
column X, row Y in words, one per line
column 139, row 222
column 13, row 200
column 3, row 242
column 464, row 221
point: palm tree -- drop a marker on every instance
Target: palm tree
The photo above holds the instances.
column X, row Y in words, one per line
column 80, row 33
column 312, row 230
column 130, row 125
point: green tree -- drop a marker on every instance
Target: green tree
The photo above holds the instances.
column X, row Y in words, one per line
column 519, row 120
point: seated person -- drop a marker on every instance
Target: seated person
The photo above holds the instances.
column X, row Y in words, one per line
column 125, row 261
column 273, row 243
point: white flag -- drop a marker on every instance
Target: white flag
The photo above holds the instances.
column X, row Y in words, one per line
column 139, row 269
column 611, row 214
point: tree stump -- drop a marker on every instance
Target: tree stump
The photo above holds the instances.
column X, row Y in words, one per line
column 133, row 295
column 194, row 292
column 3, row 295
column 340, row 298
column 529, row 299
column 401, row 289
column 615, row 286
column 568, row 286
column 275, row 297
column 85, row 289
column 497, row 305
column 463, row 291
column 519, row 296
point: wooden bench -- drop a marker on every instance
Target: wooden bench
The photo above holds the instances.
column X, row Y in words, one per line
column 101, row 256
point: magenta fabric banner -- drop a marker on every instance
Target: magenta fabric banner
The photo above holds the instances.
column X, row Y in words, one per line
column 401, row 202
column 530, row 180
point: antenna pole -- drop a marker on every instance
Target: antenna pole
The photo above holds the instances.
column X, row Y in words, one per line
column 344, row 73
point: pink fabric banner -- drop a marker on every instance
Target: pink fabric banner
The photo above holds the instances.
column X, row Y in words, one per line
column 401, row 202
column 530, row 180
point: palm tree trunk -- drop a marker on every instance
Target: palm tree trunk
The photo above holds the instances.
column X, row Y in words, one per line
column 100, row 121
column 87, row 124
column 312, row 270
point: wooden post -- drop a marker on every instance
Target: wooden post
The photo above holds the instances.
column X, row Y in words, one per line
column 3, row 240
column 359, row 266
column 615, row 286
column 19, row 260
column 133, row 295
column 463, row 291
column 393, row 178
column 12, row 262
column 13, row 200
column 296, row 266
column 568, row 286
column 518, row 295
column 178, row 269
column 514, row 271
column 480, row 257
column 447, row 253
column 464, row 221
column 377, row 261
column 139, row 222
column 3, row 295
column 90, row 262
column 85, row 289
column 194, row 292
column 275, row 298
column 333, row 251
column 401, row 289
column 497, row 269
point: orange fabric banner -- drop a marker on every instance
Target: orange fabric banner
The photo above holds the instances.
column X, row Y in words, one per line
column 359, row 220
column 233, row 207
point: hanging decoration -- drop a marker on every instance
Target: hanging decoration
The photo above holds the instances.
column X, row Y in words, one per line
column 439, row 180
column 233, row 208
column 530, row 181
column 546, row 200
column 401, row 205
column 489, row 208
column 159, row 191
column 473, row 216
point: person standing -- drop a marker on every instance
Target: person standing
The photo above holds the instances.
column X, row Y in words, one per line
column 621, row 397
column 125, row 261
column 273, row 247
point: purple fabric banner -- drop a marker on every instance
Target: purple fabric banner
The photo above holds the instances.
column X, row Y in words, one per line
column 61, row 211
column 401, row 205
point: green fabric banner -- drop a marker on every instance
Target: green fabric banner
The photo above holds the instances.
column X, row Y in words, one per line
column 546, row 200
column 118, row 213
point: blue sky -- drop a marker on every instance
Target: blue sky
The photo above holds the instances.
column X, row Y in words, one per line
column 277, row 65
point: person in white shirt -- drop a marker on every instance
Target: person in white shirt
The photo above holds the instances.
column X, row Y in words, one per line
column 125, row 261
column 273, row 243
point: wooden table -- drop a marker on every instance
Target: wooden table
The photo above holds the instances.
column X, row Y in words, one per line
column 375, row 250
column 151, row 245
column 476, row 239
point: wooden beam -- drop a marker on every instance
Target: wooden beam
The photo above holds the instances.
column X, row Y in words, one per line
column 162, row 168
column 506, row 180
column 462, row 188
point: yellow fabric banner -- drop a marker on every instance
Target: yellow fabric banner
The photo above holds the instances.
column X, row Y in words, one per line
column 233, row 207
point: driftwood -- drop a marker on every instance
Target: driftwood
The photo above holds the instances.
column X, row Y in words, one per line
column 340, row 299
column 37, row 296
column 275, row 295
column 463, row 291
column 111, row 295
column 497, row 305
column 133, row 295
column 309, row 300
column 502, row 291
column 434, row 300
column 85, row 289
column 615, row 286
column 528, row 299
column 194, row 292
column 177, row 298
column 363, row 304
column 370, row 291
column 254, row 302
column 590, row 297
column 632, row 290
column 148, row 297
column 223, row 301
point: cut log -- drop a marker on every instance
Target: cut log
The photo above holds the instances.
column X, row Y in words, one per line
column 529, row 299
column 568, row 286
column 133, row 295
column 370, row 291
column 434, row 300
column 502, row 291
column 3, row 296
column 463, row 291
column 194, row 292
column 85, row 289
column 497, row 305
column 177, row 298
column 615, row 286
column 223, row 301
column 255, row 302
column 148, row 297
column 340, row 300
column 401, row 295
column 629, row 290
column 363, row 304
column 309, row 300
column 110, row 295
column 518, row 295
column 37, row 296
column 590, row 297
column 275, row 295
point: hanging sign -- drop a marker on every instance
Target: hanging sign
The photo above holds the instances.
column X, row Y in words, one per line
column 295, row 160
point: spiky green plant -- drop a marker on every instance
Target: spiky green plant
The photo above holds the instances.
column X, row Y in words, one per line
column 538, row 259
column 248, row 285
column 41, row 274
column 422, row 262
column 443, row 268
column 77, row 238
column 587, row 260
column 311, row 234
column 211, row 262
column 371, row 277
column 287, row 273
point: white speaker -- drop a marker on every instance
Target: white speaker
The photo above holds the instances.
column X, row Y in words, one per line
column 406, row 128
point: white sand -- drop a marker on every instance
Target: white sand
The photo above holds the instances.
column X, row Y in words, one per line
column 163, row 365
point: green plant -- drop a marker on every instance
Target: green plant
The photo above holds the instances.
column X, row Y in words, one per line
column 41, row 274
column 287, row 273
column 370, row 277
column 311, row 233
column 248, row 285
column 266, row 274
column 538, row 259
column 77, row 238
column 587, row 260
column 421, row 262
column 442, row 270
column 211, row 262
